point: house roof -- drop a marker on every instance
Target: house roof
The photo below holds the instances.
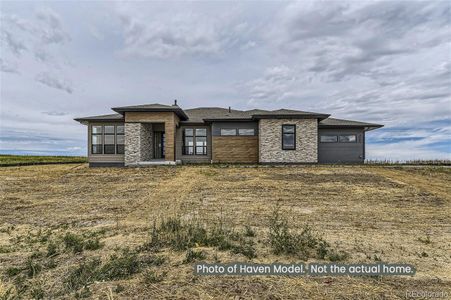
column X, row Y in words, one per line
column 105, row 118
column 155, row 107
column 332, row 122
column 209, row 114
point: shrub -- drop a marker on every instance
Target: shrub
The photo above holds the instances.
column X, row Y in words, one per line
column 13, row 271
column 192, row 255
column 32, row 268
column 120, row 266
column 37, row 292
column 181, row 236
column 303, row 245
column 152, row 277
column 248, row 231
column 86, row 273
column 73, row 242
column 52, row 249
column 246, row 248
column 93, row 244
column 337, row 255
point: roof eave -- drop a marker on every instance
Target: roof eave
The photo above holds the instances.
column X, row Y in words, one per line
column 291, row 116
column 366, row 127
column 177, row 110
column 228, row 120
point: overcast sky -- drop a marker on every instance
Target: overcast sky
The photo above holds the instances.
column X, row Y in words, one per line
column 382, row 62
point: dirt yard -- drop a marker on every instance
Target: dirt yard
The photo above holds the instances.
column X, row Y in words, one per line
column 70, row 231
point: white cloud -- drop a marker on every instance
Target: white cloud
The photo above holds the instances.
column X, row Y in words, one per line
column 51, row 31
column 54, row 82
column 179, row 32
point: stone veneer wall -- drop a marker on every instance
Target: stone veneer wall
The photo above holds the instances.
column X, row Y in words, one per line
column 146, row 144
column 138, row 143
column 270, row 141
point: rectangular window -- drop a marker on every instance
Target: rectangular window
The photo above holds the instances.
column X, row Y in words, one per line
column 96, row 139
column 348, row 138
column 228, row 132
column 243, row 131
column 201, row 141
column 188, row 141
column 120, row 139
column 108, row 140
column 328, row 139
column 194, row 141
column 288, row 137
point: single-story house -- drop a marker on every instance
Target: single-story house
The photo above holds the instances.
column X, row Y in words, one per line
column 167, row 134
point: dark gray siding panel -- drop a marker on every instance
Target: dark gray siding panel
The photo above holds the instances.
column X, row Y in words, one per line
column 216, row 126
column 342, row 152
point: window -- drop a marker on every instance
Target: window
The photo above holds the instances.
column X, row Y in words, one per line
column 243, row 131
column 288, row 137
column 188, row 141
column 96, row 139
column 120, row 140
column 348, row 138
column 225, row 131
column 195, row 141
column 328, row 139
column 201, row 141
column 108, row 140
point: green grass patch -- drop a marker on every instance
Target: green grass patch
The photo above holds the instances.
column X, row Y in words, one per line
column 19, row 160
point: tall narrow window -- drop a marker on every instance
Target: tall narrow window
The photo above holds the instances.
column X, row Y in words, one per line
column 120, row 140
column 201, row 141
column 288, row 137
column 108, row 143
column 188, row 141
column 96, row 139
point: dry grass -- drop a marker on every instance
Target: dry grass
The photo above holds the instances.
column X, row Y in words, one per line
column 371, row 212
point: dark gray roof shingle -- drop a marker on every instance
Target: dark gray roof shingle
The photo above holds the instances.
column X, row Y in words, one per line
column 153, row 107
column 200, row 114
column 332, row 122
column 111, row 117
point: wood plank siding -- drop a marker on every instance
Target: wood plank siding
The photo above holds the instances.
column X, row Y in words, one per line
column 235, row 149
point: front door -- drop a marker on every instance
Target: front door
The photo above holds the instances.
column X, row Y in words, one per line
column 159, row 144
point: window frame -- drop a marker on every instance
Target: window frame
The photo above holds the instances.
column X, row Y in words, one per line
column 101, row 139
column 347, row 142
column 204, row 147
column 294, row 137
column 194, row 148
column 328, row 142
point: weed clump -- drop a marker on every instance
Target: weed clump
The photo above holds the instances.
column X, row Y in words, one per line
column 182, row 236
column 77, row 243
column 304, row 245
column 193, row 255
column 151, row 276
column 117, row 267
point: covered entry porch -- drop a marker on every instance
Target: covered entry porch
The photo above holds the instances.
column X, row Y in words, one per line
column 145, row 144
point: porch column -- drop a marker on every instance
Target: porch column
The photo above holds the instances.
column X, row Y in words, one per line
column 169, row 130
